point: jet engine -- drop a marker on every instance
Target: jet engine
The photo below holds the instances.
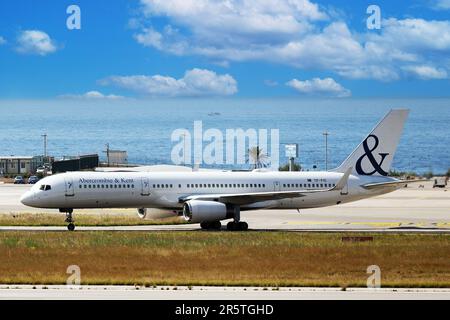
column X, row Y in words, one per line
column 152, row 213
column 206, row 211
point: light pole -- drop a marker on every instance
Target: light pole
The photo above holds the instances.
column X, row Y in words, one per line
column 326, row 134
column 107, row 152
column 45, row 145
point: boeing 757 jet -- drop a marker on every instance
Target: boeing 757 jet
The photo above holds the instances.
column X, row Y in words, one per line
column 210, row 197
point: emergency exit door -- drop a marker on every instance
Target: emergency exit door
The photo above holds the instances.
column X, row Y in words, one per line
column 145, row 186
column 70, row 190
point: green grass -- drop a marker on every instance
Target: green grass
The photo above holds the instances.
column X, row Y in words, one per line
column 267, row 259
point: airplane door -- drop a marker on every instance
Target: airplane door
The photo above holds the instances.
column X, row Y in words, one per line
column 145, row 186
column 276, row 186
column 70, row 190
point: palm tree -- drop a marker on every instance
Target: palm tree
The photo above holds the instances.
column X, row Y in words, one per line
column 257, row 158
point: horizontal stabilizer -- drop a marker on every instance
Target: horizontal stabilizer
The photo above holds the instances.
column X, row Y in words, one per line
column 393, row 184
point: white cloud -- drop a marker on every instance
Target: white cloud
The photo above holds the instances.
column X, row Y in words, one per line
column 317, row 86
column 426, row 72
column 196, row 82
column 298, row 33
column 35, row 42
column 91, row 95
column 2, row 40
column 441, row 5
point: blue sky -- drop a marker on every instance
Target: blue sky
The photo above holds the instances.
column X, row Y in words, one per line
column 180, row 48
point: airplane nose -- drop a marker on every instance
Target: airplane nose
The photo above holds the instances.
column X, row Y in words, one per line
column 27, row 198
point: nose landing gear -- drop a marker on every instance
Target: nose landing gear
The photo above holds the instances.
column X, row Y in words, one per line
column 69, row 219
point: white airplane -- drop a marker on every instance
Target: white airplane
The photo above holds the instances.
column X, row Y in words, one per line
column 207, row 197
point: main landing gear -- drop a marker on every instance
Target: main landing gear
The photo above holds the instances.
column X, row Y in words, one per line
column 69, row 219
column 237, row 224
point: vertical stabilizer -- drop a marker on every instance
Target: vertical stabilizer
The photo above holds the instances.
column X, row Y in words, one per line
column 375, row 153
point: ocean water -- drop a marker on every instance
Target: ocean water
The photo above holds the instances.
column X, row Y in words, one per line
column 144, row 128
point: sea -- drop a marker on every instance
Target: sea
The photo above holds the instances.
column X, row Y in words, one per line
column 144, row 127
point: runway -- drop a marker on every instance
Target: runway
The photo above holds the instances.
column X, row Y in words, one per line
column 411, row 209
column 29, row 292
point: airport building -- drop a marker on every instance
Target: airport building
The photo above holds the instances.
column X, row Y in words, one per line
column 16, row 165
column 117, row 157
column 85, row 162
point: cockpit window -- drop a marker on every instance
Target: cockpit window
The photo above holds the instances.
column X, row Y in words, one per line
column 42, row 187
column 48, row 187
column 45, row 187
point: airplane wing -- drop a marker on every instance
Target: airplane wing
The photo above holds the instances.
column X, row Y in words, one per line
column 393, row 184
column 252, row 197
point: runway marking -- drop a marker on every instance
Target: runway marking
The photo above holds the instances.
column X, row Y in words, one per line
column 380, row 224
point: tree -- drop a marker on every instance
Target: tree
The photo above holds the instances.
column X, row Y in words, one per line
column 295, row 167
column 257, row 158
column 428, row 174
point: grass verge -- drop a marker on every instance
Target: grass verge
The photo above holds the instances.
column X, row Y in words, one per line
column 82, row 219
column 223, row 258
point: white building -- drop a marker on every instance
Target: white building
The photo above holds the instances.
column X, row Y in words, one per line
column 117, row 157
column 15, row 165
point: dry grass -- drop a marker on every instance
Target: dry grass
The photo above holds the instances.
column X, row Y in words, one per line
column 223, row 258
column 81, row 219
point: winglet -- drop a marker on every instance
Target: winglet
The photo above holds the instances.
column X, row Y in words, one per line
column 343, row 180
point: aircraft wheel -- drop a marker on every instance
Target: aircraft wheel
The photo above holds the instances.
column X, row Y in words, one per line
column 204, row 225
column 71, row 227
column 243, row 226
column 237, row 226
column 216, row 225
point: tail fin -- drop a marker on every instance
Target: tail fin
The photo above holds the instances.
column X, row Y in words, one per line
column 375, row 153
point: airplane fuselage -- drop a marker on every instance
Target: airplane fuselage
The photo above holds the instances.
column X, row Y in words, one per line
column 165, row 189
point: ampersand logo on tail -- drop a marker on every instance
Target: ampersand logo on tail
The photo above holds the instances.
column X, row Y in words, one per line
column 369, row 155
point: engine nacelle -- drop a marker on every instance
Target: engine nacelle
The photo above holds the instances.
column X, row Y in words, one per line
column 206, row 211
column 152, row 213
